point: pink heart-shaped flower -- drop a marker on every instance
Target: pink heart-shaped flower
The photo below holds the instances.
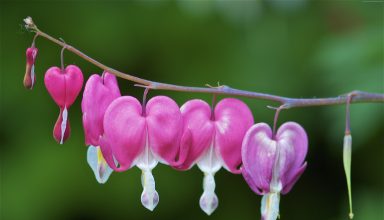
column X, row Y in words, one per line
column 224, row 128
column 259, row 152
column 127, row 131
column 98, row 93
column 64, row 85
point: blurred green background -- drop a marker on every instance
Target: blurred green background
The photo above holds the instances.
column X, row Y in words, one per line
column 292, row 48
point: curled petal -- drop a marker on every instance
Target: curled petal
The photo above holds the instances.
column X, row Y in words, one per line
column 185, row 147
column 232, row 118
column 197, row 120
column 164, row 124
column 124, row 132
column 99, row 92
column 64, row 86
column 293, row 142
column 294, row 179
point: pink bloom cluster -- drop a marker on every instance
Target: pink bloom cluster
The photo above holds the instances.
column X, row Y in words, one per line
column 121, row 133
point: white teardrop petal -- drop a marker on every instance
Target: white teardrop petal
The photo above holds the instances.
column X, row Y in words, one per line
column 98, row 164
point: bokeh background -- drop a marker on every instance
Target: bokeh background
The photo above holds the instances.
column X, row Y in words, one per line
column 293, row 48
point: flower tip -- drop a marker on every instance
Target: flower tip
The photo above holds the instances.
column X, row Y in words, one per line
column 351, row 215
column 150, row 200
column 209, row 202
column 28, row 22
column 98, row 164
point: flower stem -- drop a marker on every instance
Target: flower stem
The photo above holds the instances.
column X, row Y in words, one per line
column 359, row 96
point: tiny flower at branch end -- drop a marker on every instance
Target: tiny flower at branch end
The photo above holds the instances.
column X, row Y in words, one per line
column 28, row 23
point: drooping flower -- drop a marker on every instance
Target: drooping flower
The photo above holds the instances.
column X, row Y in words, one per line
column 273, row 163
column 99, row 92
column 63, row 86
column 143, row 136
column 29, row 77
column 216, row 137
column 347, row 159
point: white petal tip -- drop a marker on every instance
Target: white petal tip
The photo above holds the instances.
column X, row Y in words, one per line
column 351, row 215
column 209, row 202
column 150, row 200
column 98, row 165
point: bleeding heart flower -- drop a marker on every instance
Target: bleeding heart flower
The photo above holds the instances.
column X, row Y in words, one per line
column 143, row 136
column 273, row 163
column 99, row 92
column 63, row 86
column 29, row 77
column 216, row 138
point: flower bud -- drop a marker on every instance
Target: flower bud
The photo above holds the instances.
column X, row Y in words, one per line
column 347, row 151
column 29, row 77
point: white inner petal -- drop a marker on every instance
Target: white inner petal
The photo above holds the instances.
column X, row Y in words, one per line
column 146, row 161
column 270, row 206
column 64, row 123
column 208, row 200
column 98, row 164
column 210, row 162
column 33, row 74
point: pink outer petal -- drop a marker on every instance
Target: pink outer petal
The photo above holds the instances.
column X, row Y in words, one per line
column 65, row 86
column 124, row 132
column 293, row 142
column 258, row 154
column 164, row 123
column 31, row 54
column 233, row 119
column 99, row 92
column 57, row 128
column 288, row 186
column 197, row 120
column 251, row 184
column 108, row 155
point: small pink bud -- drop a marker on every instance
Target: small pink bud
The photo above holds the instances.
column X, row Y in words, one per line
column 29, row 77
column 63, row 86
